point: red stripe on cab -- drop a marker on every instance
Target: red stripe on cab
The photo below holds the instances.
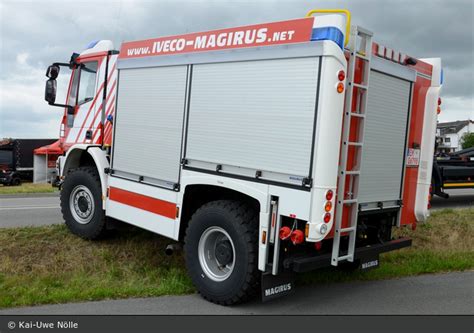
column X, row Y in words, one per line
column 140, row 201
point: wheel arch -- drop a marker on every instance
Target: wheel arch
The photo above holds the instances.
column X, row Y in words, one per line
column 87, row 155
column 198, row 194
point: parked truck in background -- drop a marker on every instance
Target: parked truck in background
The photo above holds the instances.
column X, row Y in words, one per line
column 267, row 150
column 453, row 171
column 16, row 159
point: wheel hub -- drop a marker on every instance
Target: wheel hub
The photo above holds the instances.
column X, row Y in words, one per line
column 216, row 253
column 224, row 252
column 81, row 204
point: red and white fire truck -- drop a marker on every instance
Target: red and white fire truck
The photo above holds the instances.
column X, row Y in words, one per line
column 266, row 149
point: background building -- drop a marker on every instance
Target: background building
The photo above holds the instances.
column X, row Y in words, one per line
column 450, row 135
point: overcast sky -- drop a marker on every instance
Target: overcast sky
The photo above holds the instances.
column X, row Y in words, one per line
column 36, row 33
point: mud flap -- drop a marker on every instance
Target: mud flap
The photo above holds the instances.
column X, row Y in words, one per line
column 369, row 262
column 275, row 286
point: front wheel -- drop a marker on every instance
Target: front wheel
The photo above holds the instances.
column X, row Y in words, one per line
column 81, row 203
column 221, row 251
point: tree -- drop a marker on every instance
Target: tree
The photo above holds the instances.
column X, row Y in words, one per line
column 467, row 140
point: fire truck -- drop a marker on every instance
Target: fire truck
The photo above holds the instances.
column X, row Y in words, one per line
column 267, row 149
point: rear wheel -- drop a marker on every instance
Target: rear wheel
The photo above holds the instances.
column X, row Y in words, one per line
column 16, row 181
column 81, row 203
column 221, row 251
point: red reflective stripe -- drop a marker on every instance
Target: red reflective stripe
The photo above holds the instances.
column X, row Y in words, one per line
column 108, row 135
column 107, row 110
column 88, row 112
column 108, row 129
column 100, row 109
column 140, row 201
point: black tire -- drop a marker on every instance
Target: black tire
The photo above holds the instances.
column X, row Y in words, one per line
column 16, row 182
column 87, row 177
column 241, row 224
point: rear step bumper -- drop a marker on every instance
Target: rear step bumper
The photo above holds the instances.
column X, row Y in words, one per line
column 306, row 264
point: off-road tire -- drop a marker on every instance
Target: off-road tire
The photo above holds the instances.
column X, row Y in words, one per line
column 88, row 177
column 241, row 223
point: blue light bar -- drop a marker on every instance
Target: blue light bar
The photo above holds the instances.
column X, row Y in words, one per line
column 329, row 33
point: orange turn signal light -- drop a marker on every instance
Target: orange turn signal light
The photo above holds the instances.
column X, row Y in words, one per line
column 328, row 206
column 340, row 87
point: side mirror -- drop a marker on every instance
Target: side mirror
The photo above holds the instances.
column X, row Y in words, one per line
column 52, row 72
column 50, row 91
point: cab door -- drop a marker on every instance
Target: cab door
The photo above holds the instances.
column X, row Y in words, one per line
column 85, row 95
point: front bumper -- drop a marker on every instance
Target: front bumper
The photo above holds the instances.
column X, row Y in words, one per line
column 305, row 264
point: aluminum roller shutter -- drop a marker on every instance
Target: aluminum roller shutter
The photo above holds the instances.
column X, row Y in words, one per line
column 149, row 122
column 384, row 141
column 254, row 115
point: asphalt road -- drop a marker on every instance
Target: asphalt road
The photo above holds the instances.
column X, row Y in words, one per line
column 29, row 210
column 461, row 198
column 43, row 209
column 441, row 294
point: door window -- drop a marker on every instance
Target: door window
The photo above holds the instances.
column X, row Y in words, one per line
column 87, row 82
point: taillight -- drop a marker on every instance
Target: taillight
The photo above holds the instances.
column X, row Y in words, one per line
column 341, row 75
column 327, row 218
column 439, row 100
column 329, row 195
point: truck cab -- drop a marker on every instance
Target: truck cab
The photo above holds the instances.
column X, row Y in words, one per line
column 91, row 85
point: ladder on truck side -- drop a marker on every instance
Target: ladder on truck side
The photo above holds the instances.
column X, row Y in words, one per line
column 359, row 47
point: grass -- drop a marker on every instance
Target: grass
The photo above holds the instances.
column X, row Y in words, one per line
column 27, row 188
column 40, row 265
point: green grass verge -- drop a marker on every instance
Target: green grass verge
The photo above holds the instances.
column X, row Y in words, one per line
column 40, row 265
column 27, row 188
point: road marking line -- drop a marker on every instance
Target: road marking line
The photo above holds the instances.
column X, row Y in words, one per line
column 28, row 207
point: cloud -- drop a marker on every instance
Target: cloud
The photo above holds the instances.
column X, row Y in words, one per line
column 36, row 33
